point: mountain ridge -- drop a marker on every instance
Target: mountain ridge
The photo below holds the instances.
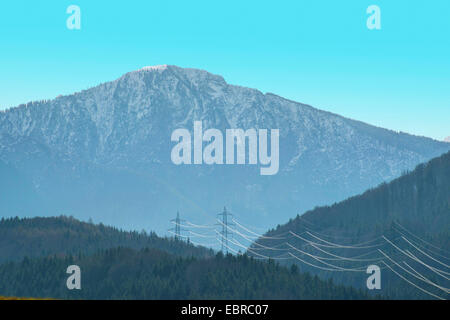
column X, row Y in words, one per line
column 54, row 236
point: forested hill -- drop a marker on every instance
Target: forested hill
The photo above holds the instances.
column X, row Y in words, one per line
column 33, row 237
column 403, row 225
column 419, row 200
column 124, row 273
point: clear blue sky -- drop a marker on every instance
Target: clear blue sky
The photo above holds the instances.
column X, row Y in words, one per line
column 316, row 52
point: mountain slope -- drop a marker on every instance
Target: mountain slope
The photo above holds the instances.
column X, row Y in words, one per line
column 105, row 152
column 411, row 214
column 41, row 237
column 124, row 273
column 419, row 200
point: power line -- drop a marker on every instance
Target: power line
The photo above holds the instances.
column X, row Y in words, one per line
column 417, row 243
column 425, row 254
column 199, row 226
column 254, row 233
column 433, row 269
column 406, row 230
column 413, row 257
column 317, row 258
column 356, row 246
column 195, row 234
column 412, row 283
column 417, row 275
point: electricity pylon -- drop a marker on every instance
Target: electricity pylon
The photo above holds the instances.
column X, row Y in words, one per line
column 225, row 232
column 177, row 229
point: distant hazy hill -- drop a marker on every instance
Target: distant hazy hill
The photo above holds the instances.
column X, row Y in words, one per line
column 151, row 274
column 63, row 235
column 415, row 207
column 17, row 192
column 105, row 153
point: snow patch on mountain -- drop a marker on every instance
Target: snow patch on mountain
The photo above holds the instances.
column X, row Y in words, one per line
column 157, row 67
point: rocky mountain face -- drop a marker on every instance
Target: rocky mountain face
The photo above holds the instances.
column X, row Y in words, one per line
column 105, row 153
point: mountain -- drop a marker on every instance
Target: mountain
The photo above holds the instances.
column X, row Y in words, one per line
column 411, row 214
column 447, row 139
column 105, row 153
column 43, row 237
column 124, row 273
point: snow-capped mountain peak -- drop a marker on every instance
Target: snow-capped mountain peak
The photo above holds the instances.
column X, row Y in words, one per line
column 152, row 68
